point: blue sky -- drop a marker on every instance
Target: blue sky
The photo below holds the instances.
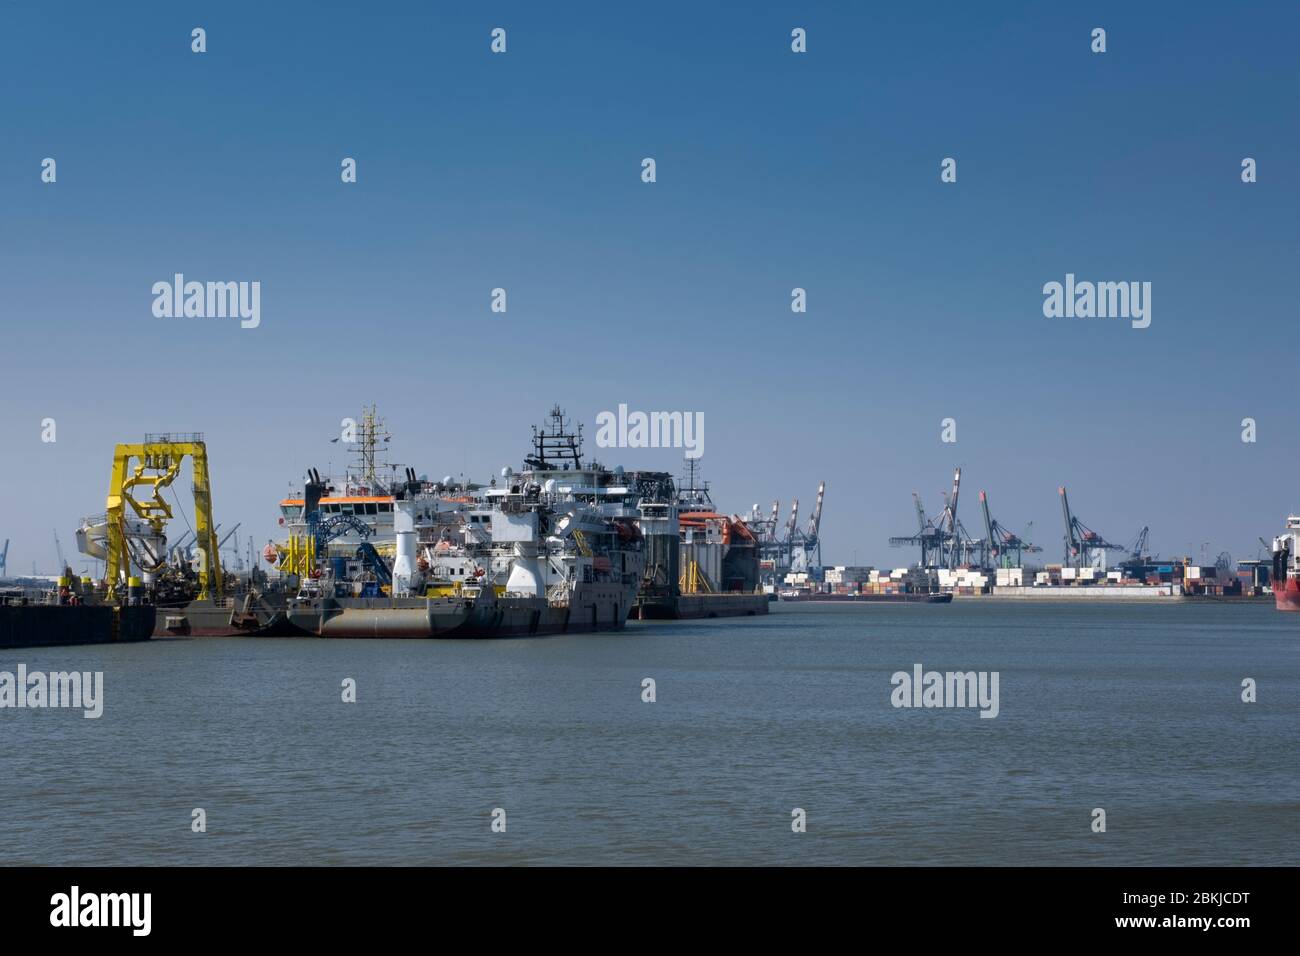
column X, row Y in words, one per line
column 775, row 170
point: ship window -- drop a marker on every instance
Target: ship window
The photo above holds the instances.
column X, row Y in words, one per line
column 346, row 509
column 384, row 508
column 372, row 509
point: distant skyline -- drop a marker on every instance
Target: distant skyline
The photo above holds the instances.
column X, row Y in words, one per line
column 774, row 170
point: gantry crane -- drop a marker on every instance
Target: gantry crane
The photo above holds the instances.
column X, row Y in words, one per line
column 1083, row 546
column 1002, row 547
column 154, row 465
column 812, row 537
column 943, row 540
column 928, row 537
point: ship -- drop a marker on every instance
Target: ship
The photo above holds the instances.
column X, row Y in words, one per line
column 1286, row 566
column 552, row 549
column 708, row 563
column 456, row 522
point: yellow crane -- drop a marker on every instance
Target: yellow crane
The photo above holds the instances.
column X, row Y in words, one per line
column 154, row 465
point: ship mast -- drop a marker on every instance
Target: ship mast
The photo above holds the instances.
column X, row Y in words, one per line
column 692, row 493
column 371, row 432
column 555, row 447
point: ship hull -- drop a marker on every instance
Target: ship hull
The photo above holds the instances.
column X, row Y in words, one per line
column 52, row 625
column 1286, row 594
column 252, row 616
column 687, row 607
column 195, row 619
column 592, row 608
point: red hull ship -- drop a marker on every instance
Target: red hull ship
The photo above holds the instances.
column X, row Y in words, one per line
column 1287, row 594
column 1286, row 566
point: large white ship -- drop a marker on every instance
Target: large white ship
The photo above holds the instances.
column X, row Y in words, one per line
column 553, row 548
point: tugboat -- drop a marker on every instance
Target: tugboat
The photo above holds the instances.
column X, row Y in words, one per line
column 1286, row 566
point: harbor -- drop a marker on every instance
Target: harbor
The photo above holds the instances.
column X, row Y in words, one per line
column 560, row 544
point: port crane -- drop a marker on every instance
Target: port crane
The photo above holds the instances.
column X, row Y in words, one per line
column 948, row 521
column 1083, row 546
column 806, row 545
column 928, row 536
column 803, row 546
column 791, row 548
column 153, row 465
column 1002, row 547
column 58, row 549
column 1138, row 557
column 943, row 540
column 795, row 559
column 769, row 545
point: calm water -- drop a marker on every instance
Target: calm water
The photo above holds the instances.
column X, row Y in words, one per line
column 1133, row 709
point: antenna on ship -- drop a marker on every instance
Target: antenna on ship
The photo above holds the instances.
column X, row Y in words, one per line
column 555, row 446
column 692, row 491
column 371, row 432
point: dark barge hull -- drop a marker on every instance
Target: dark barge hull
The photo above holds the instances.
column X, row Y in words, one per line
column 689, row 607
column 54, row 625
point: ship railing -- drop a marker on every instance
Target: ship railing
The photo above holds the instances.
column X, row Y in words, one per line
column 180, row 437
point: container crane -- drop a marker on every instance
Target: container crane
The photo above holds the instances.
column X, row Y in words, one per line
column 1138, row 558
column 1002, row 544
column 812, row 537
column 943, row 540
column 1082, row 544
column 950, row 514
column 928, row 537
